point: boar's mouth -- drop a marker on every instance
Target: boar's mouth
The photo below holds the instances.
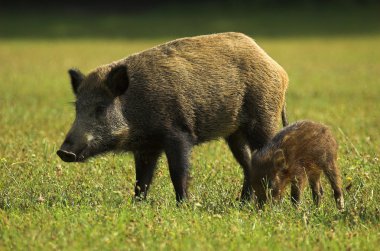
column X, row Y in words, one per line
column 70, row 156
column 81, row 155
column 67, row 156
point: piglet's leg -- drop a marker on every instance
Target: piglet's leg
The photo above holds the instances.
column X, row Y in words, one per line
column 321, row 191
column 333, row 175
column 297, row 186
column 295, row 194
column 315, row 185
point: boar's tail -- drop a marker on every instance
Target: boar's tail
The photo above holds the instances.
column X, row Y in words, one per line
column 283, row 116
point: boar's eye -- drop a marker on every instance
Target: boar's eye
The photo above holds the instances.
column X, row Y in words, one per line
column 99, row 110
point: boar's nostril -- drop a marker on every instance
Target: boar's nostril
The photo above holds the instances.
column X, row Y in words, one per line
column 66, row 156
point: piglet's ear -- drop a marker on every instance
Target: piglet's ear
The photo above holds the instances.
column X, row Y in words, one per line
column 117, row 80
column 76, row 78
column 279, row 159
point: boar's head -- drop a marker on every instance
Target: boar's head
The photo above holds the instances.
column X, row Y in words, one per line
column 99, row 123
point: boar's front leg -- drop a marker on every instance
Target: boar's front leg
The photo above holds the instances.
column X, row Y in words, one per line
column 145, row 163
column 177, row 149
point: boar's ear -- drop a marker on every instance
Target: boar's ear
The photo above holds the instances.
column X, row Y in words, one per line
column 76, row 79
column 279, row 159
column 117, row 80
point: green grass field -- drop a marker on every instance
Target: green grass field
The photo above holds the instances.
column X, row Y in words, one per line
column 46, row 204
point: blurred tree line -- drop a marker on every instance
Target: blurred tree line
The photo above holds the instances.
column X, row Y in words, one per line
column 147, row 4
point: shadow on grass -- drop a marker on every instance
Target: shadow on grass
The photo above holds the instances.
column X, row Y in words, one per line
column 178, row 22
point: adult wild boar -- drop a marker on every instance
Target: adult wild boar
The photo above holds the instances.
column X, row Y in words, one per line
column 174, row 96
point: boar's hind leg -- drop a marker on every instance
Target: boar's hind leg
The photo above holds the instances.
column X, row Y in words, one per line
column 177, row 149
column 241, row 151
column 259, row 132
column 145, row 163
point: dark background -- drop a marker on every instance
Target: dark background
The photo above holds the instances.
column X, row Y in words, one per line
column 119, row 5
column 134, row 19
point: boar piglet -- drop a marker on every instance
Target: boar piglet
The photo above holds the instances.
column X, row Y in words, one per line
column 299, row 152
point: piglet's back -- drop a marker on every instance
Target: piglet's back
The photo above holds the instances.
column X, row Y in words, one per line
column 306, row 142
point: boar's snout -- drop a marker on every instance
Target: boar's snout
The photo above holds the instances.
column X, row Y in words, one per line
column 71, row 149
column 67, row 156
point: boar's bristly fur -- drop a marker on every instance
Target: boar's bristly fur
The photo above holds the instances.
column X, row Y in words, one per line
column 299, row 152
column 174, row 96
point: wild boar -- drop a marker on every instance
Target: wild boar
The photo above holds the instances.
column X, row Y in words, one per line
column 299, row 152
column 174, row 96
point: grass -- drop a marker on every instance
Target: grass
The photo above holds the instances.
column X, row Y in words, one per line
column 47, row 204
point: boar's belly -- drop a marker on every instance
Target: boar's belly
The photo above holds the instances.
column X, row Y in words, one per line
column 211, row 122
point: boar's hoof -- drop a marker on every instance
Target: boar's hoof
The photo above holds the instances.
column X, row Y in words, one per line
column 66, row 156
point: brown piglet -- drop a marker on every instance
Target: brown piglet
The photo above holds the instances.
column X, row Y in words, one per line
column 299, row 152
